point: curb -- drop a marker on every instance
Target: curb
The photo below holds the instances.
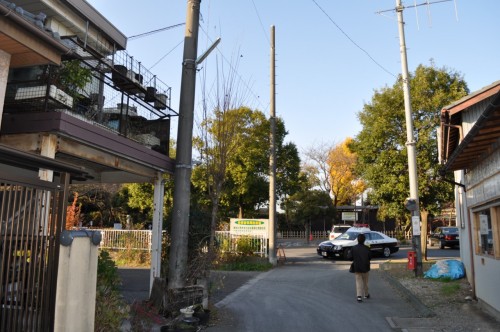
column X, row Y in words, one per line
column 424, row 311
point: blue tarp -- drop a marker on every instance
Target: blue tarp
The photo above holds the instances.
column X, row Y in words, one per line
column 449, row 268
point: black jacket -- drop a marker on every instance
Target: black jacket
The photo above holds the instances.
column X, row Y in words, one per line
column 361, row 256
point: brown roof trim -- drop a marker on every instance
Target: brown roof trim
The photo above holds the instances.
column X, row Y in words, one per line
column 471, row 135
column 472, row 99
column 32, row 161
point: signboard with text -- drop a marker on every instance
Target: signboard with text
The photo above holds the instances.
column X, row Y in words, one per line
column 249, row 226
column 349, row 216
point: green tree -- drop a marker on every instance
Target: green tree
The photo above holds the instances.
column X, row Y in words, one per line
column 309, row 205
column 381, row 144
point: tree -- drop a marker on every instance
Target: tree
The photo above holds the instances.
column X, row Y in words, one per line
column 317, row 165
column 309, row 205
column 381, row 144
column 288, row 176
column 223, row 134
column 343, row 182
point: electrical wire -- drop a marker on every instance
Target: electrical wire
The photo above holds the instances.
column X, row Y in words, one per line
column 154, row 31
column 352, row 41
column 261, row 24
column 235, row 71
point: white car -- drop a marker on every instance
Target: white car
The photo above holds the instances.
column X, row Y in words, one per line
column 340, row 247
column 338, row 230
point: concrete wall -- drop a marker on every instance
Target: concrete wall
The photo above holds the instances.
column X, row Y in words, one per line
column 76, row 286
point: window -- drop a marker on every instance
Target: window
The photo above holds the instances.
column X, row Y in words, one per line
column 376, row 236
column 487, row 228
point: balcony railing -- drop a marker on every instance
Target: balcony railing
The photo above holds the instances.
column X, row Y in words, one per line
column 118, row 94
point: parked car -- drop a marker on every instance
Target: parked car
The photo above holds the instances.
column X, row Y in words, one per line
column 379, row 243
column 445, row 237
column 338, row 230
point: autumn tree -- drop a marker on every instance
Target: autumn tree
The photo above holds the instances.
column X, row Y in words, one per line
column 381, row 144
column 345, row 186
column 73, row 213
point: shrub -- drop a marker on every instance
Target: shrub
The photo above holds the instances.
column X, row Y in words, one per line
column 111, row 309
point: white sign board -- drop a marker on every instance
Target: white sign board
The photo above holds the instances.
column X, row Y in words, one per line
column 349, row 216
column 415, row 222
column 483, row 224
column 249, row 226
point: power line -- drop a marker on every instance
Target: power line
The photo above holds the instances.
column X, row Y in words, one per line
column 261, row 24
column 154, row 31
column 235, row 71
column 352, row 41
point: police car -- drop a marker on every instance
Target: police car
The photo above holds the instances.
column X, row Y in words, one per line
column 379, row 243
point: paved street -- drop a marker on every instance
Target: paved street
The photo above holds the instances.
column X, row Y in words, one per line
column 308, row 293
column 311, row 294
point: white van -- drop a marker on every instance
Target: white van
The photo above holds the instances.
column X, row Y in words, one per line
column 338, row 230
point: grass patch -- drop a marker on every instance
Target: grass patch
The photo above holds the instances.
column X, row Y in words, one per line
column 233, row 262
column 450, row 289
column 130, row 257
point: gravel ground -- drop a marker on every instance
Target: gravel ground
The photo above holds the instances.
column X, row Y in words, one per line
column 448, row 305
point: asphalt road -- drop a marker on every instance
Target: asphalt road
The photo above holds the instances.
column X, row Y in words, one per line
column 310, row 293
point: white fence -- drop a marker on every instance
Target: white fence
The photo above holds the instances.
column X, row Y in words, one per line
column 122, row 239
column 256, row 243
column 324, row 235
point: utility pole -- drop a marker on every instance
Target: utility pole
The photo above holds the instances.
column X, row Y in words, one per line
column 183, row 167
column 272, row 162
column 410, row 144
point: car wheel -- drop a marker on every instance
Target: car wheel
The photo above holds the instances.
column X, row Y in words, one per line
column 441, row 246
column 346, row 253
column 386, row 252
column 325, row 257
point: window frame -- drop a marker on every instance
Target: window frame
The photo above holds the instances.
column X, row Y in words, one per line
column 493, row 226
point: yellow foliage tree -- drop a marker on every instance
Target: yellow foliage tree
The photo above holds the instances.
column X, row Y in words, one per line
column 343, row 182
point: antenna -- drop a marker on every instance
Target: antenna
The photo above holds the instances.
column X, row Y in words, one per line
column 207, row 52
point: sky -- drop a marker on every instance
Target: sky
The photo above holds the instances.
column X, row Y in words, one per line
column 331, row 55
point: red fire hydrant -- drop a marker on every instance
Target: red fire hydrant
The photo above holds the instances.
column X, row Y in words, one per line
column 412, row 260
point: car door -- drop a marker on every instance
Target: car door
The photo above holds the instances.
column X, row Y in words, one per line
column 376, row 242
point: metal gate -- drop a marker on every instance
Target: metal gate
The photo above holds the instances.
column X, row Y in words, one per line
column 31, row 215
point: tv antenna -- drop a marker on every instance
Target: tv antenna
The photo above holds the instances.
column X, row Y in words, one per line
column 427, row 3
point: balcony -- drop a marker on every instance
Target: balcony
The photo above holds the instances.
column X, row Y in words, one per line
column 117, row 94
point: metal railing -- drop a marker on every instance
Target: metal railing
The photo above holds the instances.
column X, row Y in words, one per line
column 29, row 251
column 236, row 243
column 123, row 239
column 324, row 235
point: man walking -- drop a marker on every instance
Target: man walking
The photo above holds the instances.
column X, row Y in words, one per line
column 361, row 255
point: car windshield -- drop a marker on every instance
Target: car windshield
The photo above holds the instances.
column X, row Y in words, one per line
column 340, row 229
column 450, row 230
column 348, row 236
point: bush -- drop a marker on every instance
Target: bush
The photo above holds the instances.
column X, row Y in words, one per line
column 111, row 309
column 234, row 262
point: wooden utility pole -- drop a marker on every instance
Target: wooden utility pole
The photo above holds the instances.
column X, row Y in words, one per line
column 183, row 167
column 272, row 162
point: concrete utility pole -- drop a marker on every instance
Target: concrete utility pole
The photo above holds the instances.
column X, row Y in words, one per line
column 272, row 162
column 182, row 177
column 410, row 144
